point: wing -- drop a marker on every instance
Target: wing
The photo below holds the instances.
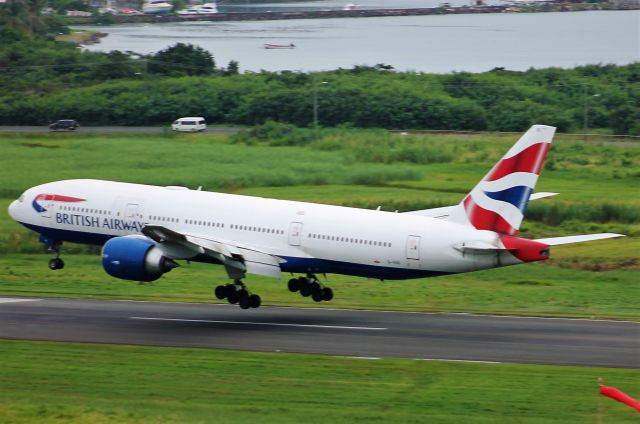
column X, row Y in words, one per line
column 237, row 258
column 444, row 211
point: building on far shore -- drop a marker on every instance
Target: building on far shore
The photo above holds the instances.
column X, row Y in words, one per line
column 625, row 4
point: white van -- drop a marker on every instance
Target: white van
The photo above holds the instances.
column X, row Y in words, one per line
column 189, row 124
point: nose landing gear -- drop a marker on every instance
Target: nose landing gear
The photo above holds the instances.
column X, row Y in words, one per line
column 237, row 293
column 53, row 246
column 310, row 286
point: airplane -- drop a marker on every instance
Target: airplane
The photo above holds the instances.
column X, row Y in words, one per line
column 145, row 229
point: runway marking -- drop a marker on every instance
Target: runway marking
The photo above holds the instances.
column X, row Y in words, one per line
column 370, row 358
column 278, row 324
column 457, row 360
column 15, row 299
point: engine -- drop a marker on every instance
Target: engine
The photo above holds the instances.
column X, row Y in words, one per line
column 132, row 258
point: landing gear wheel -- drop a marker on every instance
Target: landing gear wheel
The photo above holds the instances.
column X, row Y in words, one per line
column 229, row 289
column 220, row 292
column 305, row 289
column 317, row 295
column 56, row 263
column 255, row 301
column 327, row 294
column 243, row 294
column 245, row 302
column 294, row 285
column 233, row 298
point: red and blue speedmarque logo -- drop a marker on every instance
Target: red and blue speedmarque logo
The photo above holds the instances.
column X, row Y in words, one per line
column 52, row 197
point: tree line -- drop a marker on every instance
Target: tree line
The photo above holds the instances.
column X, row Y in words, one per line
column 43, row 80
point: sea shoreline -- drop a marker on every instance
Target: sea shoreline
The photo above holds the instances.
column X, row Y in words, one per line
column 364, row 13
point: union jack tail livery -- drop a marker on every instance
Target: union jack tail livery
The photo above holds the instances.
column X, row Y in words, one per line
column 498, row 202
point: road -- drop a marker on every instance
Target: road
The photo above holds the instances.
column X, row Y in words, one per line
column 426, row 336
column 114, row 130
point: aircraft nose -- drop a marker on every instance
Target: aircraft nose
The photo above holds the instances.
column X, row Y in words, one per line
column 13, row 209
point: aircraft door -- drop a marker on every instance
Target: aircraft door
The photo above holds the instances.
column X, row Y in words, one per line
column 413, row 248
column 131, row 212
column 295, row 233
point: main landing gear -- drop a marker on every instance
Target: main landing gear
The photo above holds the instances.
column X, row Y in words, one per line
column 53, row 246
column 236, row 292
column 310, row 286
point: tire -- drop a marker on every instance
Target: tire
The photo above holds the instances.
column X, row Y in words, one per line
column 305, row 290
column 220, row 292
column 233, row 298
column 327, row 294
column 245, row 303
column 243, row 294
column 294, row 285
column 255, row 301
column 229, row 289
column 317, row 296
column 56, row 263
column 315, row 286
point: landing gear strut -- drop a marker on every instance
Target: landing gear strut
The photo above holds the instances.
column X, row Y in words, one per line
column 310, row 286
column 53, row 246
column 237, row 292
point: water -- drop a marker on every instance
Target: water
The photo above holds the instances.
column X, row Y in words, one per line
column 439, row 44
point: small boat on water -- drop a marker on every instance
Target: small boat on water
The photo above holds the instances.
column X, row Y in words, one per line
column 157, row 7
column 204, row 9
column 280, row 46
column 208, row 8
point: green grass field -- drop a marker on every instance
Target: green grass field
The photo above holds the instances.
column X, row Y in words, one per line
column 85, row 383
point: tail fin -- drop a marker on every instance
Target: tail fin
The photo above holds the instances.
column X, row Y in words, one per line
column 498, row 202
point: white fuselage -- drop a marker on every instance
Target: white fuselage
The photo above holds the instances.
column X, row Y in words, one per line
column 308, row 237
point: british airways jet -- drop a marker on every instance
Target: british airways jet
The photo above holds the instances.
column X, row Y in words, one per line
column 144, row 229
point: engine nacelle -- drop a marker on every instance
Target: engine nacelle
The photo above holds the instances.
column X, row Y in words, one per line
column 135, row 259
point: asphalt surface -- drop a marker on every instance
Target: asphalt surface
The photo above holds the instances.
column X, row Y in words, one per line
column 372, row 334
column 112, row 130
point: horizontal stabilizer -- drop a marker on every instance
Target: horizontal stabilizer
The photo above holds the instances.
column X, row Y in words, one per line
column 444, row 211
column 542, row 195
column 554, row 241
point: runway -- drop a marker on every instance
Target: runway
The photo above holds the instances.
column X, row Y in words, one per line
column 367, row 334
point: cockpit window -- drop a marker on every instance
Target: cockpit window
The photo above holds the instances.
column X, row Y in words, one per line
column 21, row 199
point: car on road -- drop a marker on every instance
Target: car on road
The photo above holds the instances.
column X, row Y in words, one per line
column 64, row 124
column 189, row 124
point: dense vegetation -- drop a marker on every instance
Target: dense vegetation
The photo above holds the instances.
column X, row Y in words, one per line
column 42, row 80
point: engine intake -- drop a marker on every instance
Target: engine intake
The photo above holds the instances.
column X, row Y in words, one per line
column 137, row 259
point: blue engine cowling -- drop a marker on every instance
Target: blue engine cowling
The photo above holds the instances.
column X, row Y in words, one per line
column 135, row 259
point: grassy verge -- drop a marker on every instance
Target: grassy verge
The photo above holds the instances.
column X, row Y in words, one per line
column 73, row 383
